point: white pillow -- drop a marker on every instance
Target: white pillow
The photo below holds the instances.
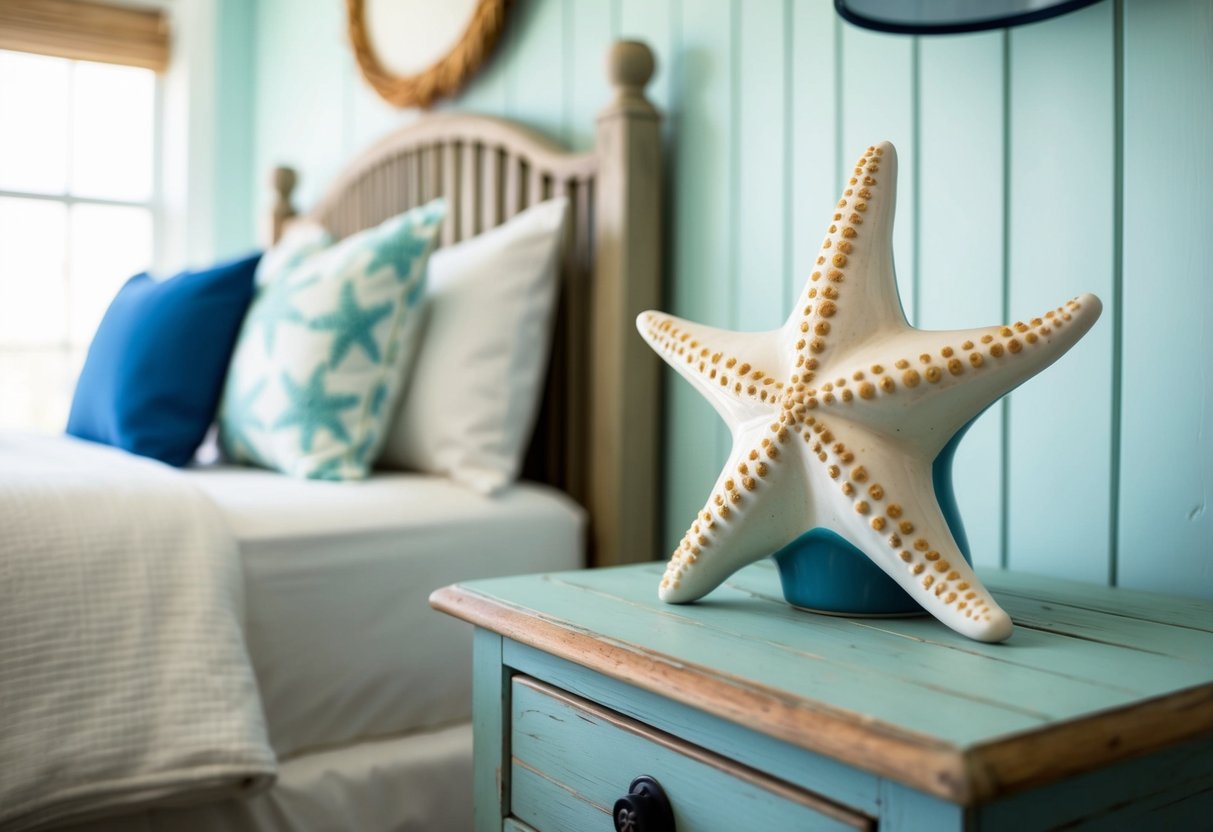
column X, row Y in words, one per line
column 474, row 391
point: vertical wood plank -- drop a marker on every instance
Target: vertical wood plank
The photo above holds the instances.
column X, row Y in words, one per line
column 960, row 245
column 491, row 195
column 905, row 810
column 759, row 264
column 877, row 104
column 568, row 359
column 701, row 155
column 381, row 187
column 578, row 306
column 412, row 176
column 236, row 180
column 369, row 116
column 812, row 88
column 536, row 186
column 654, row 24
column 1166, row 473
column 586, row 88
column 293, row 48
column 432, row 156
column 536, row 77
column 450, row 188
column 487, row 90
column 490, row 743
column 469, row 210
column 1062, row 184
column 513, row 186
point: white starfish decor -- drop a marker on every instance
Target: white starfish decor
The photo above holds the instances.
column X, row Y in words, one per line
column 838, row 416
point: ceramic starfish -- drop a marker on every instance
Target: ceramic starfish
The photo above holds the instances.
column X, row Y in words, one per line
column 837, row 417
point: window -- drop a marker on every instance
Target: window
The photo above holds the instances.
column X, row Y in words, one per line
column 78, row 216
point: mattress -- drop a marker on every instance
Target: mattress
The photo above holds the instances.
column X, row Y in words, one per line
column 337, row 577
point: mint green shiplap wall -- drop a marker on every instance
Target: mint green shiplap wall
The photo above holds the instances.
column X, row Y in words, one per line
column 234, row 223
column 1036, row 163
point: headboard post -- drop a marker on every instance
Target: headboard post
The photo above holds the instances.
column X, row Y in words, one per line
column 625, row 396
column 282, row 180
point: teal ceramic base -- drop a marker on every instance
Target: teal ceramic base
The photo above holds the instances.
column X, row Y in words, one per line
column 822, row 572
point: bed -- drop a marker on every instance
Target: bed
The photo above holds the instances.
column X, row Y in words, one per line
column 365, row 692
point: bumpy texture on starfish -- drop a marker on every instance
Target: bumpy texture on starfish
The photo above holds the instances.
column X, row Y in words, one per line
column 838, row 416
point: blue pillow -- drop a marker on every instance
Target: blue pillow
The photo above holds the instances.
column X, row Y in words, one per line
column 155, row 370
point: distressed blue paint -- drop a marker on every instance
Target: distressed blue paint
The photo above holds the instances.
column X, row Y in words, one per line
column 905, row 810
column 571, row 763
column 490, row 708
column 568, row 763
column 1151, row 794
column 889, row 670
column 815, row 772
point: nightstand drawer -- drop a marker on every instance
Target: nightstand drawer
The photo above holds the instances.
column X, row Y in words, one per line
column 571, row 760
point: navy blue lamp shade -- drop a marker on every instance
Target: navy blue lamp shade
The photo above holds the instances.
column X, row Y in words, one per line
column 943, row 17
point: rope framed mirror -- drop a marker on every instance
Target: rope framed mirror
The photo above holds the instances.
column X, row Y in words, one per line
column 413, row 52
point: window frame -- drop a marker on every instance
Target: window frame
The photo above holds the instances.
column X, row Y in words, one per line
column 72, row 350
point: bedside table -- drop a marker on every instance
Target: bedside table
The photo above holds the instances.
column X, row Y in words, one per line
column 750, row 714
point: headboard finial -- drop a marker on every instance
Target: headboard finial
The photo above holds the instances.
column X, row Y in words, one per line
column 282, row 180
column 630, row 66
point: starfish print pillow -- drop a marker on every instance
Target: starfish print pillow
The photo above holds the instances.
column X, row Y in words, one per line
column 324, row 349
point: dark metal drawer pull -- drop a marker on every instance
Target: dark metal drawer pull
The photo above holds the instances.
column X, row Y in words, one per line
column 644, row 808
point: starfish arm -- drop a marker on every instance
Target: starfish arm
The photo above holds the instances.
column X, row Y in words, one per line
column 755, row 508
column 740, row 373
column 883, row 501
column 948, row 378
column 851, row 291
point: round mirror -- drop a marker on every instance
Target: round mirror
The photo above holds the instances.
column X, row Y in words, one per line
column 415, row 51
column 942, row 17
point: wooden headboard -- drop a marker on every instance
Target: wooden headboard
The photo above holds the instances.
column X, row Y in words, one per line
column 597, row 434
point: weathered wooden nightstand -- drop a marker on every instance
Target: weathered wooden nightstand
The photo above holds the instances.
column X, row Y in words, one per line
column 752, row 715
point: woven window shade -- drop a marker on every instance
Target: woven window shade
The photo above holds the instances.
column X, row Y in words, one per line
column 86, row 31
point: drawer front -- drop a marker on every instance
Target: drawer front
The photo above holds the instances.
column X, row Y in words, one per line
column 571, row 760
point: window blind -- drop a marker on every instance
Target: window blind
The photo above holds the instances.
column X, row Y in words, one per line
column 86, row 31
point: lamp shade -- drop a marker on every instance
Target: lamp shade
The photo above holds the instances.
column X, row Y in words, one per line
column 941, row 17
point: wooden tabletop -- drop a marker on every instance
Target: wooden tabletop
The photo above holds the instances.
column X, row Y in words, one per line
column 1091, row 675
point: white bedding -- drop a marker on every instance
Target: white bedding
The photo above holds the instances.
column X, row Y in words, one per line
column 416, row 783
column 337, row 575
column 123, row 673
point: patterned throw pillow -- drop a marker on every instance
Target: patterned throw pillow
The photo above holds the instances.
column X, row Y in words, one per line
column 323, row 352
